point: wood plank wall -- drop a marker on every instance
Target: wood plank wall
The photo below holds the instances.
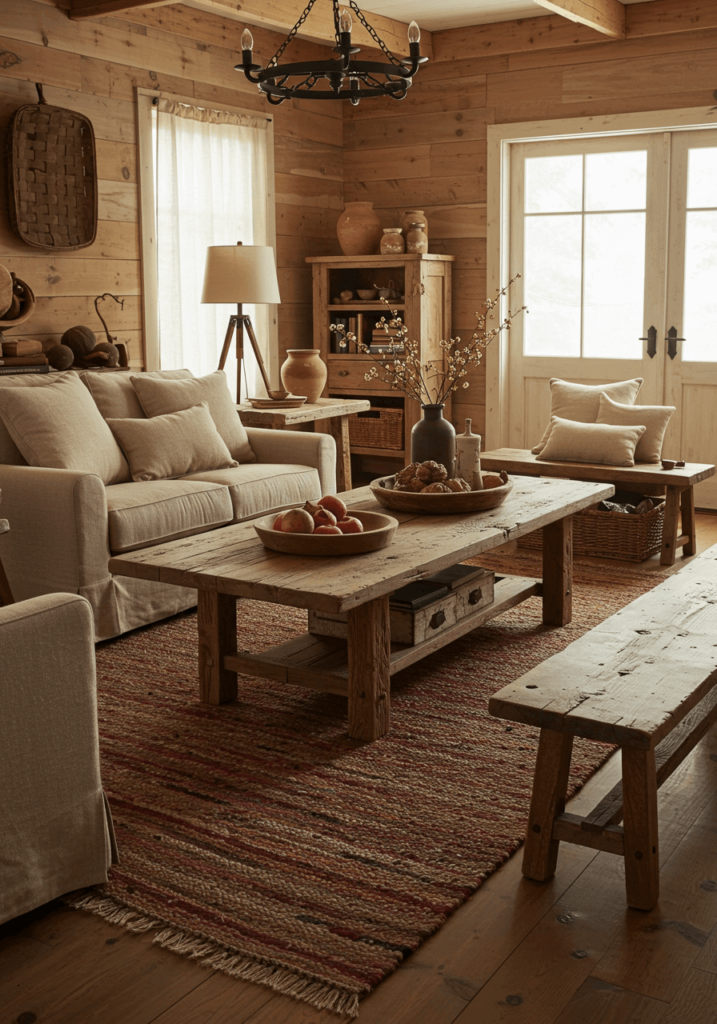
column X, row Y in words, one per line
column 93, row 66
column 429, row 151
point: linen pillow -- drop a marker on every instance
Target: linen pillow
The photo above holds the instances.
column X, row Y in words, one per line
column 162, row 396
column 655, row 418
column 114, row 394
column 603, row 443
column 173, row 445
column 580, row 402
column 58, row 426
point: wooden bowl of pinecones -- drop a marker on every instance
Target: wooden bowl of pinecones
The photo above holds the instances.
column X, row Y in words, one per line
column 426, row 487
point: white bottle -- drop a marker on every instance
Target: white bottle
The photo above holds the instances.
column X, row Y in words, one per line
column 468, row 457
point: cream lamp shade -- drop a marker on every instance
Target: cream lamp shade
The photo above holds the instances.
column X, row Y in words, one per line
column 240, row 273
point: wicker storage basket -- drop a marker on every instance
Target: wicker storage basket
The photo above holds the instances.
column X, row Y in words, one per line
column 377, row 428
column 611, row 534
column 52, row 193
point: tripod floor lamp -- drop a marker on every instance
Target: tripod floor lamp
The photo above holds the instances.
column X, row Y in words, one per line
column 241, row 273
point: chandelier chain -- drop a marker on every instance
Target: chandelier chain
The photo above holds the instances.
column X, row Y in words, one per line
column 374, row 35
column 292, row 34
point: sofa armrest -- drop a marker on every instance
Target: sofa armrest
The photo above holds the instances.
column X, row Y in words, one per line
column 58, row 530
column 56, row 831
column 297, row 448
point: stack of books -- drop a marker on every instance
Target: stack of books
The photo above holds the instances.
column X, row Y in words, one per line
column 22, row 357
column 386, row 340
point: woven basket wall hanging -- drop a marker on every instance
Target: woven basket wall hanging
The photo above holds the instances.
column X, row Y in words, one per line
column 52, row 177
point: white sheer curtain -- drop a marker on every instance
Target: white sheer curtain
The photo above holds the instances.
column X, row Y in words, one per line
column 211, row 189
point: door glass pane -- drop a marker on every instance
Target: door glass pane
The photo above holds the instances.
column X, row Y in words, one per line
column 614, row 285
column 552, row 285
column 702, row 177
column 700, row 316
column 616, row 181
column 553, row 184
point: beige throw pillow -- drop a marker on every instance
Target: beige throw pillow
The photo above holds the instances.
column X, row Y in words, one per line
column 58, row 426
column 162, row 396
column 654, row 417
column 174, row 445
column 580, row 402
column 114, row 394
column 602, row 443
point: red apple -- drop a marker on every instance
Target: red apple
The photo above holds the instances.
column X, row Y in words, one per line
column 333, row 504
column 350, row 525
column 297, row 520
column 278, row 521
column 327, row 529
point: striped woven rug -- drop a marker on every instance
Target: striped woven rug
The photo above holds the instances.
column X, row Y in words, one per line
column 259, row 839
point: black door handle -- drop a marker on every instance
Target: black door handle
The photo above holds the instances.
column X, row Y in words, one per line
column 672, row 340
column 651, row 340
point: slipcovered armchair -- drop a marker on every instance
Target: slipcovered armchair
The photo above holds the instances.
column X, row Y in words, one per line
column 55, row 826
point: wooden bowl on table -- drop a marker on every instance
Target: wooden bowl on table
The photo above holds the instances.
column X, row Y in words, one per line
column 439, row 504
column 378, row 531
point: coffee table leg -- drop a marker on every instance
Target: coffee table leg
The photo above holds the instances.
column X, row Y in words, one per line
column 558, row 572
column 217, row 626
column 369, row 648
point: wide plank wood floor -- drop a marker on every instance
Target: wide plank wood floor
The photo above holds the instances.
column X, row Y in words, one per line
column 564, row 952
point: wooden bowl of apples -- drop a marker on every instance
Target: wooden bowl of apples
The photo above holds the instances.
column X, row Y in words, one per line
column 326, row 527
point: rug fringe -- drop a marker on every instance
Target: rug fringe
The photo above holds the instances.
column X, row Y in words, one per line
column 214, row 957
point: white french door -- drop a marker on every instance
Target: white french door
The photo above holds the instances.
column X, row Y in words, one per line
column 615, row 238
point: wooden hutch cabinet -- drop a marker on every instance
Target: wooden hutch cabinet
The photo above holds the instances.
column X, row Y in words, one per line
column 422, row 283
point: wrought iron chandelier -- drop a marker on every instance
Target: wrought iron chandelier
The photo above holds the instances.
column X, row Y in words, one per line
column 347, row 78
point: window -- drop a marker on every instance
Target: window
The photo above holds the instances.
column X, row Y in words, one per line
column 207, row 179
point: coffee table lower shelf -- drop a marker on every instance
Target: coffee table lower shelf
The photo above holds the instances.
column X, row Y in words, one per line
column 321, row 662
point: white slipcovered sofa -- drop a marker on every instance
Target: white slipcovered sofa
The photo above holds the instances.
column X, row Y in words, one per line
column 55, row 827
column 74, row 496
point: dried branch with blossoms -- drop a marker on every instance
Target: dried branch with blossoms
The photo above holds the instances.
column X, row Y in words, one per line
column 428, row 383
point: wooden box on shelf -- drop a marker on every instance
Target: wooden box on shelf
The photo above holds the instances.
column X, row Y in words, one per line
column 422, row 286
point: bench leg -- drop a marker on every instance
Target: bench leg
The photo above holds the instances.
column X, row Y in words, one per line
column 642, row 860
column 547, row 802
column 558, row 572
column 687, row 509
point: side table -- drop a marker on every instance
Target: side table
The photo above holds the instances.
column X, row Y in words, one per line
column 335, row 411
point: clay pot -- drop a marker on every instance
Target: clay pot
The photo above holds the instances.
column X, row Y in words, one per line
column 393, row 243
column 304, row 373
column 414, row 217
column 359, row 230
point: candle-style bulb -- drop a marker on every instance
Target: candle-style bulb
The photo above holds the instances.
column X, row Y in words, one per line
column 414, row 33
column 345, row 21
column 247, row 40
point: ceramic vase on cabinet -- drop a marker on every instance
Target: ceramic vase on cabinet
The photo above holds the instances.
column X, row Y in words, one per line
column 304, row 373
column 417, row 239
column 393, row 243
column 414, row 217
column 359, row 230
column 433, row 439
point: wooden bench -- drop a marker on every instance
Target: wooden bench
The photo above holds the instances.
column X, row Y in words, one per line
column 644, row 679
column 647, row 478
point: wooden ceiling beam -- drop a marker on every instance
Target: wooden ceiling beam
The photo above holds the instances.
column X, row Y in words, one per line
column 81, row 9
column 606, row 16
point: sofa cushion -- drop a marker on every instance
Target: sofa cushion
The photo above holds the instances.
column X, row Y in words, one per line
column 600, row 443
column 10, row 454
column 114, row 393
column 654, row 417
column 166, row 447
column 151, row 512
column 57, row 426
column 162, row 396
column 580, row 402
column 264, row 488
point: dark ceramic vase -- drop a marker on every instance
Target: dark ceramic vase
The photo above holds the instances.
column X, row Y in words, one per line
column 434, row 439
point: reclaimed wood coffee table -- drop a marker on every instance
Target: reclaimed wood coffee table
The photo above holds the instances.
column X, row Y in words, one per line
column 231, row 563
